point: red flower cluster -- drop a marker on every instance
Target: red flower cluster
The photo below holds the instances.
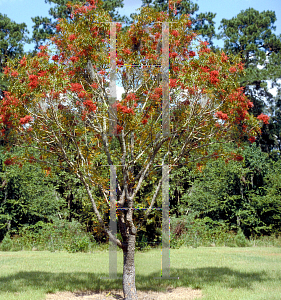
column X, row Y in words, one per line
column 6, row 70
column 84, row 9
column 224, row 58
column 10, row 161
column 189, row 23
column 23, row 61
column 131, row 97
column 232, row 69
column 214, row 77
column 264, row 118
column 173, row 54
column 82, row 94
column 127, row 51
column 175, row 33
column 42, row 73
column 156, row 95
column 42, row 54
column 14, row 74
column 250, row 104
column 252, row 139
column 94, row 31
column 72, row 37
column 55, row 57
column 42, row 48
column 204, row 43
column 242, row 115
column 33, row 81
column 125, row 109
column 91, row 2
column 119, row 128
column 237, row 96
column 238, row 157
column 205, row 69
column 94, row 85
column 90, row 105
column 173, row 83
column 80, row 10
column 76, row 87
column 204, row 48
column 70, row 47
column 221, row 115
column 25, row 120
column 54, row 94
column 192, row 53
column 74, row 59
column 240, row 66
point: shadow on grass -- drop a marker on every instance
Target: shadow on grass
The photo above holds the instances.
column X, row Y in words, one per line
column 195, row 278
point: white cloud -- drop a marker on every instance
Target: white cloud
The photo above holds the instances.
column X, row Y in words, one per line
column 119, row 91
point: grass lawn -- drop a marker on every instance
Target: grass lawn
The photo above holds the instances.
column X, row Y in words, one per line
column 221, row 272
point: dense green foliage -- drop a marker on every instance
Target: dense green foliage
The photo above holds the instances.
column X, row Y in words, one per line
column 26, row 196
column 214, row 204
column 59, row 235
column 241, row 195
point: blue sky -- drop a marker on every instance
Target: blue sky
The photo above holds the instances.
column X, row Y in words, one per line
column 23, row 10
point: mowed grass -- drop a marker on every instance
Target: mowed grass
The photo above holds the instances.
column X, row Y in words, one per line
column 221, row 273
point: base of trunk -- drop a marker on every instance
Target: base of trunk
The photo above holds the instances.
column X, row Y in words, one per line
column 129, row 286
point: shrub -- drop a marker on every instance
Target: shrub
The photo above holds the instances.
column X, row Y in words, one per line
column 240, row 239
column 56, row 236
column 6, row 244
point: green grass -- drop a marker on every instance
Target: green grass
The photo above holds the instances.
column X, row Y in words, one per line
column 221, row 273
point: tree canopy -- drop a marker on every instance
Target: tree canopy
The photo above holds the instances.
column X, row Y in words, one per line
column 202, row 23
column 45, row 27
column 12, row 38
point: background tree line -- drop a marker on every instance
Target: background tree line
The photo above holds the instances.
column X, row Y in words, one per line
column 236, row 195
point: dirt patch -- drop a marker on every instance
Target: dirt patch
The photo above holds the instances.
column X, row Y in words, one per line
column 179, row 293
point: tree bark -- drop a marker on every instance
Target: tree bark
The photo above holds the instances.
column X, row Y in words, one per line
column 129, row 286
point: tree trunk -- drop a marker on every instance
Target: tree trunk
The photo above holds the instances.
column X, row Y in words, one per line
column 129, row 286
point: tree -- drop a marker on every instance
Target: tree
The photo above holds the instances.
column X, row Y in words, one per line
column 44, row 27
column 250, row 35
column 12, row 38
column 61, row 104
column 26, row 195
column 241, row 195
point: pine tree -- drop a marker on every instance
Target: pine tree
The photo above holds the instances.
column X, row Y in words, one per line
column 250, row 35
